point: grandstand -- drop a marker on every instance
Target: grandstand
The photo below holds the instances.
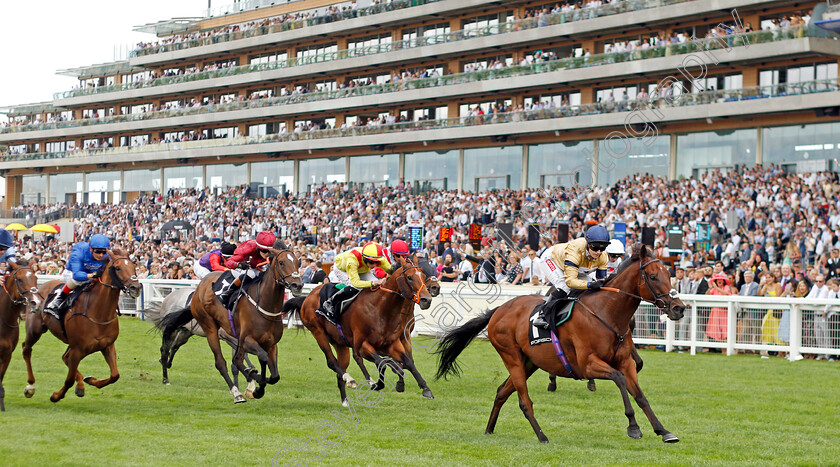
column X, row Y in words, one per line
column 469, row 95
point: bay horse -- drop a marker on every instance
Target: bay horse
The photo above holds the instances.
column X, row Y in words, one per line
column 407, row 324
column 593, row 343
column 20, row 291
column 256, row 322
column 89, row 325
column 176, row 301
column 370, row 326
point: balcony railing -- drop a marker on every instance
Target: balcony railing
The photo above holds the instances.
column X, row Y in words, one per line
column 446, row 80
column 667, row 99
column 455, row 36
column 565, row 17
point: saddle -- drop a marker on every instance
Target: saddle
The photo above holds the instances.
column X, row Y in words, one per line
column 71, row 297
column 556, row 317
column 342, row 296
column 225, row 282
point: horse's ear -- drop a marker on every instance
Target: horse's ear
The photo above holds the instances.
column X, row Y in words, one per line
column 273, row 251
column 13, row 265
column 279, row 244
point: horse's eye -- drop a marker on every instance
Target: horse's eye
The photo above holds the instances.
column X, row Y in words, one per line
column 652, row 277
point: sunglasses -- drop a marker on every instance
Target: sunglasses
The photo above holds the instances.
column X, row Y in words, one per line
column 615, row 256
column 597, row 247
column 100, row 251
column 263, row 251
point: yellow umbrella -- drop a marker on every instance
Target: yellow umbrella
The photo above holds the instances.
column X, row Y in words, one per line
column 15, row 226
column 46, row 228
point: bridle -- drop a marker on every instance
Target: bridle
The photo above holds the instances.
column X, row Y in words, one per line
column 658, row 299
column 22, row 296
column 118, row 283
column 416, row 297
column 278, row 280
column 281, row 280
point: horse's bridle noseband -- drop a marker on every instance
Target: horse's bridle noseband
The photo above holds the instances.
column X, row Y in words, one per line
column 21, row 295
column 118, row 283
column 416, row 297
column 657, row 298
column 281, row 280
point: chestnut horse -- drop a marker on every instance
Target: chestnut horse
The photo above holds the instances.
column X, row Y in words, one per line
column 90, row 325
column 256, row 322
column 407, row 325
column 593, row 343
column 370, row 326
column 20, row 291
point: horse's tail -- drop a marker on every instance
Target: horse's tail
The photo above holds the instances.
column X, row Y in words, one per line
column 293, row 305
column 454, row 342
column 153, row 313
column 169, row 323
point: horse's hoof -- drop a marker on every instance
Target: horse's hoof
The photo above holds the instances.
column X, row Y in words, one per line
column 249, row 394
column 88, row 380
column 427, row 393
column 634, row 432
column 378, row 386
column 259, row 392
column 54, row 397
column 591, row 385
column 2, row 406
column 273, row 379
column 400, row 387
column 670, row 438
column 344, row 403
column 488, row 432
column 239, row 399
column 80, row 391
column 166, row 381
column 29, row 391
column 551, row 387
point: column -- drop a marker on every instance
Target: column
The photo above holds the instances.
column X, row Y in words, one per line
column 460, row 170
column 759, row 149
column 672, row 160
column 523, row 183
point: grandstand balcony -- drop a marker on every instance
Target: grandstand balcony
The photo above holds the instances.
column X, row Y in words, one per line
column 654, row 62
column 457, row 43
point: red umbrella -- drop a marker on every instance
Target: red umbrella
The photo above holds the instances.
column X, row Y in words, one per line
column 57, row 228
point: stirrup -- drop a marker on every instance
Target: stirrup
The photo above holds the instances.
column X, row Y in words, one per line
column 540, row 322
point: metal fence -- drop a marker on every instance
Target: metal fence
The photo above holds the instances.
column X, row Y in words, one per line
column 795, row 326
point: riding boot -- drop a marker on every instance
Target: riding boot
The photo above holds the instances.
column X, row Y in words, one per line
column 224, row 294
column 57, row 303
column 332, row 307
column 550, row 302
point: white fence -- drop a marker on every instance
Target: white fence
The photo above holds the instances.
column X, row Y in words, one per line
column 792, row 325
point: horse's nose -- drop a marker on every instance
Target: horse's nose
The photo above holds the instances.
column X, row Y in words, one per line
column 679, row 311
column 296, row 289
column 425, row 303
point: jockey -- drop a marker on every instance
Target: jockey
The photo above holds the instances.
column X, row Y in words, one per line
column 353, row 269
column 615, row 253
column 8, row 253
column 578, row 258
column 86, row 258
column 246, row 257
column 397, row 252
column 214, row 260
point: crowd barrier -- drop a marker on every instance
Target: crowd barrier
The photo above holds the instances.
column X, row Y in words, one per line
column 795, row 326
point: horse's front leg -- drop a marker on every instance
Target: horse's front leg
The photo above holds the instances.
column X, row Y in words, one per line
column 35, row 328
column 629, row 370
column 72, row 359
column 247, row 344
column 367, row 351
column 597, row 368
column 110, row 354
column 361, row 363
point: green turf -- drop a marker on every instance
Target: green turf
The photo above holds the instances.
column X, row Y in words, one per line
column 726, row 410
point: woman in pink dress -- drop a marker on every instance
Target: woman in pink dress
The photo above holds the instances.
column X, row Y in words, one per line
column 716, row 328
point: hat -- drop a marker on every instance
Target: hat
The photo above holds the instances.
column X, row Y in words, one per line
column 721, row 277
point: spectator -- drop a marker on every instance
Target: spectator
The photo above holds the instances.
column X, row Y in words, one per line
column 716, row 327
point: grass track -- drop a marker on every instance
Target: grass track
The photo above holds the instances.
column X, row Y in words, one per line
column 736, row 410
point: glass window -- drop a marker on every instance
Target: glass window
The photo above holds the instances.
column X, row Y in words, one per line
column 799, row 143
column 226, row 175
column 380, row 170
column 698, row 153
column 103, row 187
column 33, row 189
column 179, row 178
column 142, row 180
column 559, row 164
column 496, row 168
column 432, row 170
column 321, row 171
column 62, row 185
column 620, row 157
column 273, row 178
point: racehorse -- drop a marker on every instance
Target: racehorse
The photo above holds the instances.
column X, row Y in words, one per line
column 20, row 291
column 256, row 321
column 370, row 326
column 591, row 344
column 407, row 324
column 176, row 301
column 89, row 325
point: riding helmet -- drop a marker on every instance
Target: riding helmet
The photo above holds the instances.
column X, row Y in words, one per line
column 265, row 240
column 228, row 249
column 615, row 247
column 399, row 247
column 99, row 242
column 371, row 251
column 597, row 235
column 6, row 239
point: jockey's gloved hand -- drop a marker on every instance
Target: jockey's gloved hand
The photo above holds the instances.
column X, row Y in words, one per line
column 595, row 285
column 98, row 273
column 244, row 265
column 379, row 273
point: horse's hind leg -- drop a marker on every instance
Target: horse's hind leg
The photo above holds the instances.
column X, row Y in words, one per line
column 110, row 354
column 409, row 364
column 34, row 331
column 221, row 365
column 73, row 357
column 361, row 363
column 502, row 394
column 641, row 400
column 4, row 364
column 520, row 371
column 343, row 361
column 170, row 346
column 597, row 368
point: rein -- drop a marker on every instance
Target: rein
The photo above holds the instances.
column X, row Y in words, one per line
column 20, row 301
column 415, row 298
column 281, row 281
column 120, row 286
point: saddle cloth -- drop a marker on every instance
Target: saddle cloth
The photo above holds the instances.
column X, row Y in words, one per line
column 328, row 290
column 71, row 298
column 538, row 335
column 226, row 280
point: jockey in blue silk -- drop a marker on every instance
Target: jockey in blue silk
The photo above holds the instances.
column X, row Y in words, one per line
column 85, row 260
column 8, row 253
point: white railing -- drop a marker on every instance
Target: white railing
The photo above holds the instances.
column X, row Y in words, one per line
column 809, row 326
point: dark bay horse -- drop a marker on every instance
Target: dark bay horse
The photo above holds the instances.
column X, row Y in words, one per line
column 20, row 291
column 90, row 325
column 256, row 321
column 370, row 326
column 594, row 340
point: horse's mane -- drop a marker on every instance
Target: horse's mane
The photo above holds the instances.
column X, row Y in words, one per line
column 640, row 251
column 279, row 245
